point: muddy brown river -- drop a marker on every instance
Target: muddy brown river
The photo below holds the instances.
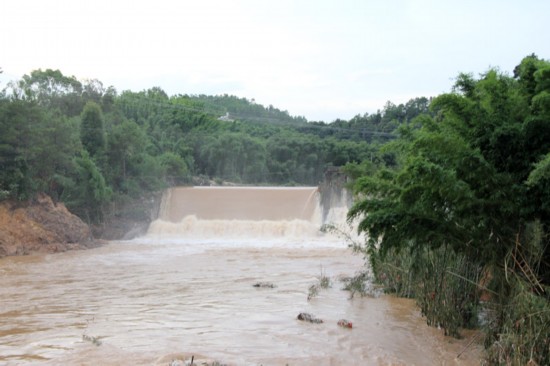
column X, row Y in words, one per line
column 168, row 296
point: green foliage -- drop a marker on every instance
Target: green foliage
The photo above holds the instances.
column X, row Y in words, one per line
column 15, row 121
column 458, row 182
column 519, row 316
column 449, row 300
column 373, row 128
column 51, row 156
column 126, row 146
column 469, row 193
column 356, row 170
column 89, row 194
column 176, row 171
column 444, row 284
column 541, row 172
column 360, row 284
column 523, row 339
column 52, row 90
column 393, row 272
column 323, row 283
column 92, row 132
column 241, row 109
column 35, row 147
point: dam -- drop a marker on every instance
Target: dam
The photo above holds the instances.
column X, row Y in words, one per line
column 239, row 212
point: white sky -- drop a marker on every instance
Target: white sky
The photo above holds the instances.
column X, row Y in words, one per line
column 319, row 59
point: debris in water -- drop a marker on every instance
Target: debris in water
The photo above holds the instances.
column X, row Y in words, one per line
column 309, row 318
column 94, row 340
column 195, row 362
column 345, row 323
column 264, row 285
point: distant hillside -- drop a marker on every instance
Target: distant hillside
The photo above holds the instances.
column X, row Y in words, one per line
column 230, row 107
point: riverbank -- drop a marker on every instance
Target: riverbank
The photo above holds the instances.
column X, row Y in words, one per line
column 41, row 225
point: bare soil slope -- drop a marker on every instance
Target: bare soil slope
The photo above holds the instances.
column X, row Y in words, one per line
column 40, row 226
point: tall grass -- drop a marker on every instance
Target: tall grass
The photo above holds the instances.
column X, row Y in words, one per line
column 519, row 314
column 444, row 285
column 506, row 300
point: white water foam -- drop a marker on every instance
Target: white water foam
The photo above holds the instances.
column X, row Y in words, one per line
column 199, row 218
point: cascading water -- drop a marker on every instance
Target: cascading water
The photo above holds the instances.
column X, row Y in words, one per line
column 241, row 212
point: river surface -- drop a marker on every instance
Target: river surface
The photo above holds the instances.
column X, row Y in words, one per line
column 186, row 289
column 148, row 303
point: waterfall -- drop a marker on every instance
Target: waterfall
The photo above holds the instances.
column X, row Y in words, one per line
column 250, row 212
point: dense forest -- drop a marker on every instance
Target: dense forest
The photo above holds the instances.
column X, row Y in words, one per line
column 453, row 192
column 94, row 148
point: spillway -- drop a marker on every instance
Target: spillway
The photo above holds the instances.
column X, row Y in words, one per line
column 249, row 212
column 240, row 203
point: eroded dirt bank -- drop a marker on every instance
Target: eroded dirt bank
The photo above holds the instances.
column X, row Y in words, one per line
column 41, row 226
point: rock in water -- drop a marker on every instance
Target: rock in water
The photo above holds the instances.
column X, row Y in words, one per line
column 309, row 318
column 345, row 323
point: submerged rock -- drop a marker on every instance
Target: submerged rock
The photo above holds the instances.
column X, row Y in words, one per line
column 309, row 318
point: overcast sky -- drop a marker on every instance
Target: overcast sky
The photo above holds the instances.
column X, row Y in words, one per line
column 319, row 59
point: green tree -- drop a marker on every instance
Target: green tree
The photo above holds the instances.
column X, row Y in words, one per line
column 15, row 122
column 36, row 149
column 89, row 192
column 127, row 142
column 92, row 133
column 51, row 156
column 176, row 171
column 53, row 90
